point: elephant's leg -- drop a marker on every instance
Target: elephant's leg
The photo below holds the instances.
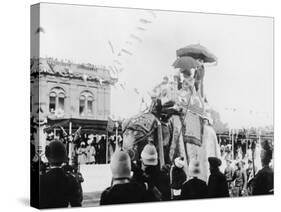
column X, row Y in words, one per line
column 177, row 147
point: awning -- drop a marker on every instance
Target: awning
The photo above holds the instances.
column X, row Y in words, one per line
column 87, row 125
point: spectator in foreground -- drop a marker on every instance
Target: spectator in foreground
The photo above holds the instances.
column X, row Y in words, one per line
column 217, row 184
column 158, row 181
column 58, row 189
column 263, row 181
column 122, row 190
column 178, row 177
column 194, row 188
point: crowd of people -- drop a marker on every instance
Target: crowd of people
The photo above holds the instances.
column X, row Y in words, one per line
column 146, row 181
column 241, row 168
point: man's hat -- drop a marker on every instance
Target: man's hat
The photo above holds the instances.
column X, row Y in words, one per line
column 214, row 161
column 149, row 155
column 56, row 152
column 266, row 151
column 179, row 162
column 120, row 165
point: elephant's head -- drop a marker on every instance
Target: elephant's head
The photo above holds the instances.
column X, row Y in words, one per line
column 136, row 133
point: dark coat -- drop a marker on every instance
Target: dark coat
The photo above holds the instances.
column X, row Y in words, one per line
column 59, row 189
column 263, row 182
column 154, row 177
column 194, row 189
column 217, row 185
column 178, row 177
column 131, row 192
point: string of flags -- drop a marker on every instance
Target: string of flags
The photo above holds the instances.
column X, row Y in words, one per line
column 134, row 38
column 141, row 26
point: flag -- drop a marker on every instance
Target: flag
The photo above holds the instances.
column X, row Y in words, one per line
column 141, row 28
column 127, row 52
column 40, row 29
column 136, row 37
column 110, row 124
column 136, row 91
column 142, row 20
column 77, row 134
column 111, row 46
column 122, row 86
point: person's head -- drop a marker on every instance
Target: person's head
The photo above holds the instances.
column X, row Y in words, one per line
column 165, row 79
column 250, row 163
column 194, row 168
column 214, row 163
column 179, row 162
column 200, row 61
column 149, row 156
column 239, row 165
column 228, row 162
column 188, row 72
column 56, row 153
column 120, row 165
column 176, row 78
column 266, row 153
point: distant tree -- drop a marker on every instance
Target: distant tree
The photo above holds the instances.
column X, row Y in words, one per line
column 218, row 125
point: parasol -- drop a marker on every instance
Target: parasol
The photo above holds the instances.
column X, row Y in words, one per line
column 185, row 62
column 197, row 51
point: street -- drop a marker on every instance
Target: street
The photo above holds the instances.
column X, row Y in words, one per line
column 96, row 179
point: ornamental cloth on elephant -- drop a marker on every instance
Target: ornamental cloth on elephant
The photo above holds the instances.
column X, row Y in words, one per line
column 192, row 124
column 192, row 128
column 142, row 126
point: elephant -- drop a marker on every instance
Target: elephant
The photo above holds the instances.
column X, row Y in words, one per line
column 168, row 137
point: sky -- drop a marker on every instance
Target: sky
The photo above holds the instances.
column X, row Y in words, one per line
column 239, row 86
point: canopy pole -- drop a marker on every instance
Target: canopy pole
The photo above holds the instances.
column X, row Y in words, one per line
column 70, row 144
column 107, row 146
column 232, row 139
column 116, row 134
column 160, row 144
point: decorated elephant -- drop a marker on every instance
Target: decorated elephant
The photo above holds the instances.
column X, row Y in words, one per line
column 172, row 138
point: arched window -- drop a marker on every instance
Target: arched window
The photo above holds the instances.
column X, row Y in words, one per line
column 82, row 100
column 86, row 100
column 56, row 100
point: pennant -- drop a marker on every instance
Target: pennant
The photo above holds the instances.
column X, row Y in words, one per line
column 110, row 124
column 127, row 52
column 136, row 37
column 111, row 46
column 136, row 91
column 39, row 29
column 116, row 61
column 141, row 28
column 145, row 21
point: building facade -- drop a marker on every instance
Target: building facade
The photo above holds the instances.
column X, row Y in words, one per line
column 61, row 89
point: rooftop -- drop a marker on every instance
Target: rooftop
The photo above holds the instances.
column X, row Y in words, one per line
column 67, row 69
